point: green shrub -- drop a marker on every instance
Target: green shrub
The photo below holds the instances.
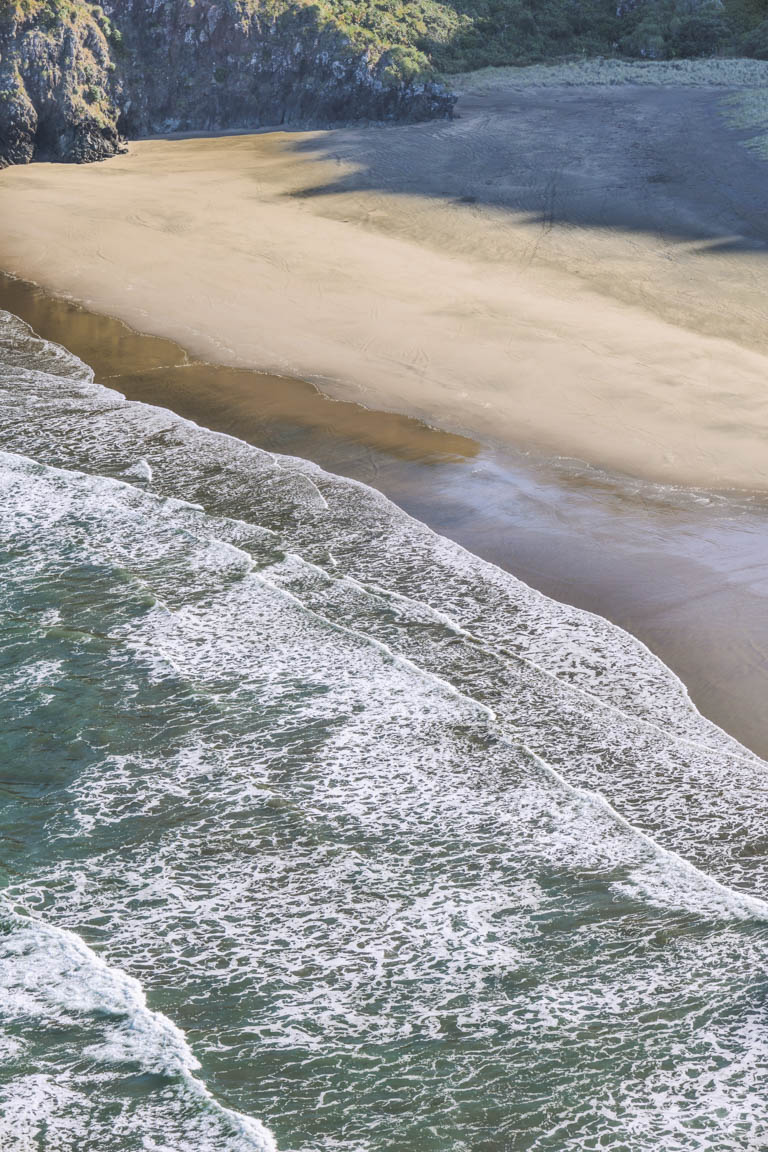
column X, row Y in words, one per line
column 755, row 43
column 404, row 65
column 700, row 34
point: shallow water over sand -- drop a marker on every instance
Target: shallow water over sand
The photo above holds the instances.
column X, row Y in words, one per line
column 686, row 573
column 315, row 820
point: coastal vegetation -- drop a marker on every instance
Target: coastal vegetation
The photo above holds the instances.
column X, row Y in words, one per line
column 57, row 95
column 463, row 35
column 75, row 76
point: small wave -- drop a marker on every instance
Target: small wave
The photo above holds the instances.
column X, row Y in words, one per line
column 52, row 983
column 396, row 840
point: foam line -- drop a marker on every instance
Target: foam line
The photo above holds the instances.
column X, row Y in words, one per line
column 140, row 1035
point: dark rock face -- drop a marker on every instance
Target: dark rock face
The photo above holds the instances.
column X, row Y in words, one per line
column 56, row 85
column 74, row 76
column 233, row 64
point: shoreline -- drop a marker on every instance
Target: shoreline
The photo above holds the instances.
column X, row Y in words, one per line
column 675, row 569
column 386, row 733
column 505, row 276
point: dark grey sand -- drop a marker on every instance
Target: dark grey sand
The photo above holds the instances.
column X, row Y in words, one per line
column 663, row 165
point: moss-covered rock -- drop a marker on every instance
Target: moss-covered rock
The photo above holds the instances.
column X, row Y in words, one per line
column 73, row 73
column 57, row 89
column 240, row 64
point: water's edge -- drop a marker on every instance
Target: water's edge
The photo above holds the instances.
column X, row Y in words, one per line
column 265, row 617
column 700, row 605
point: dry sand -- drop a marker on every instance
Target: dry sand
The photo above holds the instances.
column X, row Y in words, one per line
column 580, row 270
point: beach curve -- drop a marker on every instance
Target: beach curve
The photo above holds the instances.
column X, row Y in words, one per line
column 613, row 330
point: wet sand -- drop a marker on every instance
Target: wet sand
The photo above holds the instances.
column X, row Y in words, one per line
column 686, row 573
column 579, row 270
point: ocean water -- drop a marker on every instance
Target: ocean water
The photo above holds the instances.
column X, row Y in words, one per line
column 320, row 833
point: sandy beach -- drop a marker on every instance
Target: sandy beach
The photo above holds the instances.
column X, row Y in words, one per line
column 685, row 573
column 384, row 553
column 548, row 270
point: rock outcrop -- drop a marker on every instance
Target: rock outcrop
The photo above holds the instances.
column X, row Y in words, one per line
column 57, row 82
column 74, row 74
column 74, row 77
column 243, row 63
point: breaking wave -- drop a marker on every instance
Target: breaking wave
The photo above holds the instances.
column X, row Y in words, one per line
column 310, row 815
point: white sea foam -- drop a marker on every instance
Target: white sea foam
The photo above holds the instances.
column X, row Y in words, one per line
column 49, row 979
column 418, row 857
column 140, row 471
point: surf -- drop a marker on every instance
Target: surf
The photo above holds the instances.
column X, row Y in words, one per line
column 393, row 840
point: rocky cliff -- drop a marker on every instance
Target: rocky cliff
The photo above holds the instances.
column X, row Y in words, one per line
column 243, row 63
column 57, row 83
column 76, row 76
column 73, row 75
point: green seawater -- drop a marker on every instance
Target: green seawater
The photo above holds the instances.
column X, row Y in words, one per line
column 319, row 832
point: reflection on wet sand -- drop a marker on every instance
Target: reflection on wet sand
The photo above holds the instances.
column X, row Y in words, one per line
column 685, row 572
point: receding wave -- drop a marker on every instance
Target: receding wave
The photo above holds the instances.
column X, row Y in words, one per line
column 409, row 854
